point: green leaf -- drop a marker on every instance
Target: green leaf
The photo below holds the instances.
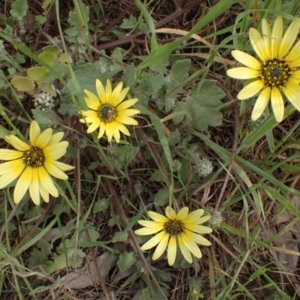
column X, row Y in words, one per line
column 23, row 84
column 162, row 197
column 45, row 118
column 126, row 260
column 178, row 74
column 19, row 9
column 129, row 23
column 203, row 105
column 101, row 205
column 148, row 85
column 120, row 237
column 37, row 74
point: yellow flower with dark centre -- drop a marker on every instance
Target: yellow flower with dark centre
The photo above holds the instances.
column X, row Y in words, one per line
column 108, row 112
column 182, row 229
column 276, row 73
column 34, row 163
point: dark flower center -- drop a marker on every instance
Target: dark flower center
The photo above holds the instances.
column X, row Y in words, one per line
column 34, row 157
column 107, row 113
column 275, row 73
column 174, row 227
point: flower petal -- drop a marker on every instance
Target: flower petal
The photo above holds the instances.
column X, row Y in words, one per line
column 161, row 247
column 258, row 44
column 292, row 93
column 289, row 38
column 153, row 241
column 17, row 143
column 172, row 250
column 276, row 36
column 34, row 132
column 246, row 59
column 34, row 187
column 261, row 103
column 250, row 90
column 243, row 73
column 170, row 213
column 44, row 138
column 22, row 185
column 157, row 217
column 277, row 104
column 7, row 154
column 92, row 101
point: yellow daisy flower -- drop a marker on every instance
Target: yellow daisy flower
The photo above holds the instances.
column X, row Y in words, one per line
column 181, row 229
column 276, row 71
column 108, row 112
column 34, row 163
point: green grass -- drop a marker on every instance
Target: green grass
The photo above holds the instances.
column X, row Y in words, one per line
column 189, row 112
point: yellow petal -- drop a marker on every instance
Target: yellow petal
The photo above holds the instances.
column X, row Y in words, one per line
column 258, row 44
column 198, row 228
column 100, row 90
column 243, row 73
column 182, row 214
column 126, row 104
column 17, row 143
column 289, row 38
column 123, row 129
column 44, row 138
column 153, row 241
column 261, row 103
column 147, row 231
column 34, row 187
column 292, row 93
column 101, row 131
column 161, row 247
column 157, row 217
column 266, row 33
column 109, row 131
column 277, row 104
column 184, row 249
column 276, row 36
column 250, row 90
column 294, row 53
column 92, row 101
column 55, row 171
column 56, row 138
column 93, row 127
column 22, row 184
column 34, row 132
column 13, row 170
column 15, row 167
column 44, row 194
column 121, row 97
column 190, row 244
column 200, row 240
column 195, row 216
column 246, row 59
column 62, row 166
column 116, row 135
column 172, row 250
column 170, row 213
column 127, row 121
column 56, row 151
column 46, row 182
column 7, row 154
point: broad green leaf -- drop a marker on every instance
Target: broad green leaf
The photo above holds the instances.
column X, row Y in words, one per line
column 37, row 74
column 45, row 118
column 101, row 205
column 177, row 75
column 162, row 197
column 18, row 9
column 23, row 84
column 129, row 23
column 126, row 260
column 203, row 104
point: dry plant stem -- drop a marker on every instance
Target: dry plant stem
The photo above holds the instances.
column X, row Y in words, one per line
column 80, row 212
column 128, row 39
column 234, row 147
